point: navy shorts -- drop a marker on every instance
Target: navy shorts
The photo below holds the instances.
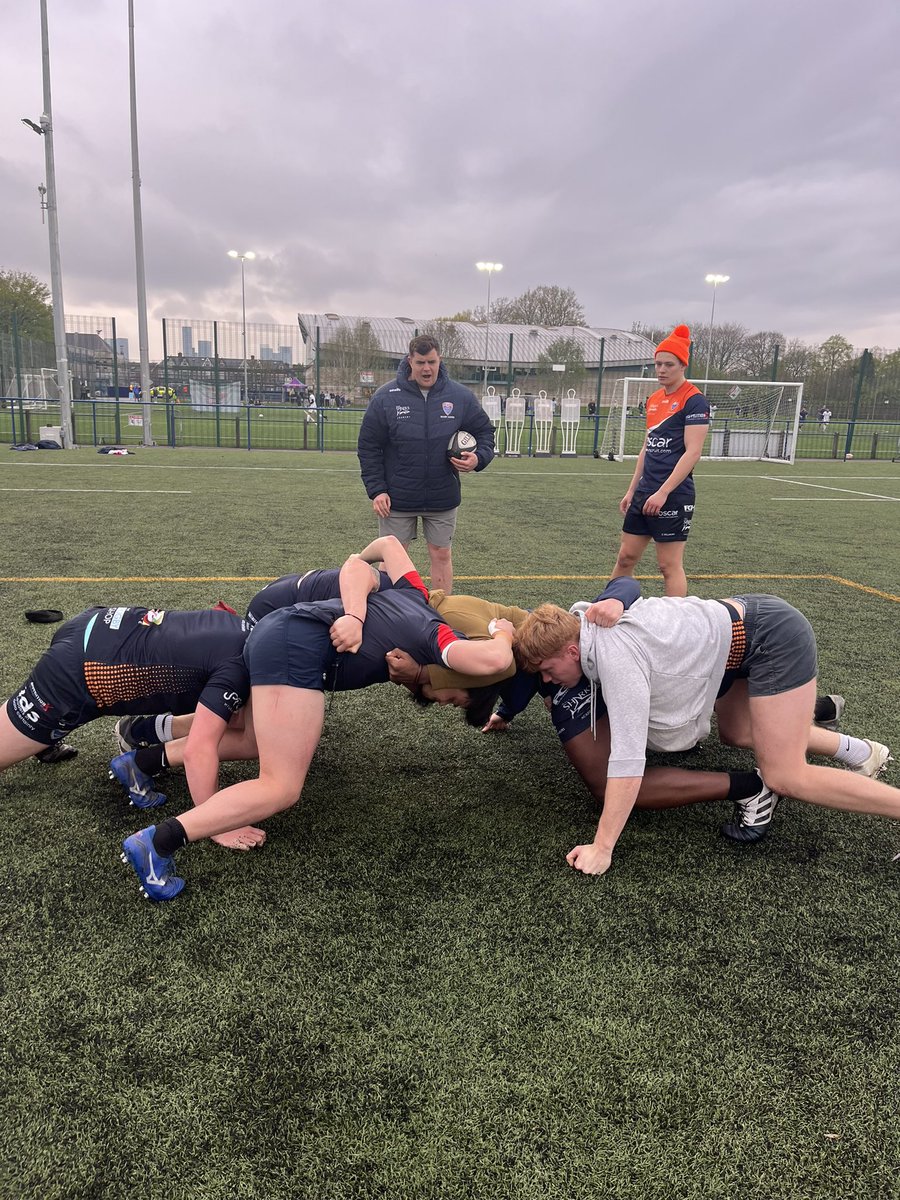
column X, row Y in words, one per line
column 54, row 698
column 291, row 649
column 672, row 525
column 570, row 709
column 781, row 648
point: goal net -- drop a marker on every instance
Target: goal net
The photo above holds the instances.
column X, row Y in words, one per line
column 749, row 419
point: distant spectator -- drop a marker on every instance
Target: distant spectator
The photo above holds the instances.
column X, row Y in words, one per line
column 803, row 415
column 824, row 417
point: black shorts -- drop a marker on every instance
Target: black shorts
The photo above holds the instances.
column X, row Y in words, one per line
column 570, row 709
column 672, row 525
column 54, row 698
column 780, row 654
column 289, row 649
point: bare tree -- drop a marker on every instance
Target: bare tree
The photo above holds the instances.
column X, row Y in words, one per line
column 758, row 354
column 450, row 339
column 547, row 304
column 354, row 348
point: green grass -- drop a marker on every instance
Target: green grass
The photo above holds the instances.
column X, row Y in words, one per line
column 407, row 994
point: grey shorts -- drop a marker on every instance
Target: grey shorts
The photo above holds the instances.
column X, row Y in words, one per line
column 781, row 647
column 438, row 527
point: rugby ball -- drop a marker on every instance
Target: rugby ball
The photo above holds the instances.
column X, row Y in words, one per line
column 460, row 443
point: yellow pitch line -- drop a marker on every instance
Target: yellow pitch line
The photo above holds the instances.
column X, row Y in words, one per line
column 850, row 583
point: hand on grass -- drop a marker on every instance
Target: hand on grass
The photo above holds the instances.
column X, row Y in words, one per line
column 496, row 724
column 592, row 860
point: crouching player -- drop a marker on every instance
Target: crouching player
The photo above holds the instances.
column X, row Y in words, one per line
column 293, row 655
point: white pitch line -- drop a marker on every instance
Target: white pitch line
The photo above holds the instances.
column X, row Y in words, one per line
column 824, row 488
column 840, row 499
column 106, row 491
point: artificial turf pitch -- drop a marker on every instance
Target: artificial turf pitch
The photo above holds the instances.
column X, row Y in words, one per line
column 407, row 993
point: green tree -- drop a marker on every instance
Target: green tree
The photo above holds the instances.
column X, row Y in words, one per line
column 450, row 338
column 547, row 304
column 29, row 299
column 568, row 352
column 834, row 353
column 354, row 348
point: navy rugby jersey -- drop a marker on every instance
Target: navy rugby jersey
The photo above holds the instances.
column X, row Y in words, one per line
column 397, row 617
column 145, row 660
column 294, row 589
column 667, row 418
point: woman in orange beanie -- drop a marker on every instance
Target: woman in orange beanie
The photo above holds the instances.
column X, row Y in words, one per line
column 659, row 503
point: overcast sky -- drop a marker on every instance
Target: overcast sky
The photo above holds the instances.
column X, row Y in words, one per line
column 370, row 153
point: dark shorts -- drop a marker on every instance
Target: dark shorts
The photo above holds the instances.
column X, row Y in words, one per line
column 571, row 709
column 781, row 648
column 672, row 525
column 291, row 649
column 54, row 698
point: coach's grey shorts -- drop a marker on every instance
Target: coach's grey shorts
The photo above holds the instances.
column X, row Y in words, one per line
column 781, row 646
column 438, row 527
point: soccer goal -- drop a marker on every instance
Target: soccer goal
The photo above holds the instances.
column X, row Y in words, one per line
column 749, row 419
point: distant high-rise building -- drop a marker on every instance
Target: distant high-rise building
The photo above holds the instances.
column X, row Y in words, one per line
column 187, row 341
column 284, row 353
column 265, row 353
column 204, row 349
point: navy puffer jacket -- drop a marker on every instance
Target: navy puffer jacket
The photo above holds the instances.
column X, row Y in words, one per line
column 403, row 441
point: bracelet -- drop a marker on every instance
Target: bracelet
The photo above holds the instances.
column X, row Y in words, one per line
column 355, row 617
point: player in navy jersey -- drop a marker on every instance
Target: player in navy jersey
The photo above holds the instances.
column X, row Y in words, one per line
column 293, row 655
column 659, row 503
column 294, row 589
column 123, row 659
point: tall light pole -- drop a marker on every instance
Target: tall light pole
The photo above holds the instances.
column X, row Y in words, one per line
column 49, row 201
column 715, row 280
column 143, row 336
column 246, row 254
column 490, row 267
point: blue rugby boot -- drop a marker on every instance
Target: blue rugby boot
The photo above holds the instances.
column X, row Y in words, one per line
column 154, row 873
column 140, row 789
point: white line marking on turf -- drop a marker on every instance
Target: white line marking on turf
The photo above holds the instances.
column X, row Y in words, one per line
column 823, row 487
column 840, row 499
column 104, row 491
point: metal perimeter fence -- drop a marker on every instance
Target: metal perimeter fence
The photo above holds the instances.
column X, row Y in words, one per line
column 285, row 426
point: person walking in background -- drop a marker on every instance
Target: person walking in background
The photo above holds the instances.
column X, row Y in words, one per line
column 403, row 453
column 659, row 503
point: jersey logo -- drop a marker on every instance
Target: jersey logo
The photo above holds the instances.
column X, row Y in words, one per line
column 153, row 616
column 447, row 407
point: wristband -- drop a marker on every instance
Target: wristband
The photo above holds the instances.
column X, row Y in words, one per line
column 355, row 617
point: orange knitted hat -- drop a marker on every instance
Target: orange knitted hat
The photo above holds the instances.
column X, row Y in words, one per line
column 678, row 343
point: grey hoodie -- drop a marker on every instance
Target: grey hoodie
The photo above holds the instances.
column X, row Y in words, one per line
column 659, row 669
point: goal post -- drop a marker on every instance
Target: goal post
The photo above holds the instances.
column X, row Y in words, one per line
column 750, row 419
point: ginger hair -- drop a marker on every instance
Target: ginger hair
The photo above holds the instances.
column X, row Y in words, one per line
column 544, row 633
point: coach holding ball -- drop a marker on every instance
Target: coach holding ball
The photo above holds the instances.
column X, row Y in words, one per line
column 408, row 466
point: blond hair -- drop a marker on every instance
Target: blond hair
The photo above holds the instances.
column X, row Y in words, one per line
column 544, row 633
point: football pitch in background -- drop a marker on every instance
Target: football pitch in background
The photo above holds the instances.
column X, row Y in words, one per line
column 407, row 993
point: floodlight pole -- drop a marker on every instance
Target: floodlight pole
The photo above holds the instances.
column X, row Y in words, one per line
column 715, row 280
column 56, row 289
column 490, row 267
column 143, row 338
column 246, row 254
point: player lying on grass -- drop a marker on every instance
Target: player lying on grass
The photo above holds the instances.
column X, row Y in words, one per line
column 292, row 655
column 122, row 659
column 663, row 669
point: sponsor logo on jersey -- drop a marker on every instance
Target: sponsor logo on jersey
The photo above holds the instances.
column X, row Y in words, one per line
column 113, row 617
column 153, row 616
column 25, row 708
column 658, row 442
column 688, row 508
column 574, row 704
column 669, row 512
column 232, row 701
column 402, row 411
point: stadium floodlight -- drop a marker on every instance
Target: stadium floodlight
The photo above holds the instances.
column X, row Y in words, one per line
column 490, row 267
column 242, row 256
column 715, row 280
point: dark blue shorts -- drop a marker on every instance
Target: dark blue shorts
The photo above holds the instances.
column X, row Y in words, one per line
column 672, row 525
column 571, row 709
column 54, row 698
column 291, row 649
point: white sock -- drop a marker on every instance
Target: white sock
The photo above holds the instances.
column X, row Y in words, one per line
column 852, row 751
column 164, row 727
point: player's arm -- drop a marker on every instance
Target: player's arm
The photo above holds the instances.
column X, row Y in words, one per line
column 199, row 753
column 483, row 657
column 617, row 597
column 618, row 802
column 635, row 479
column 358, row 580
